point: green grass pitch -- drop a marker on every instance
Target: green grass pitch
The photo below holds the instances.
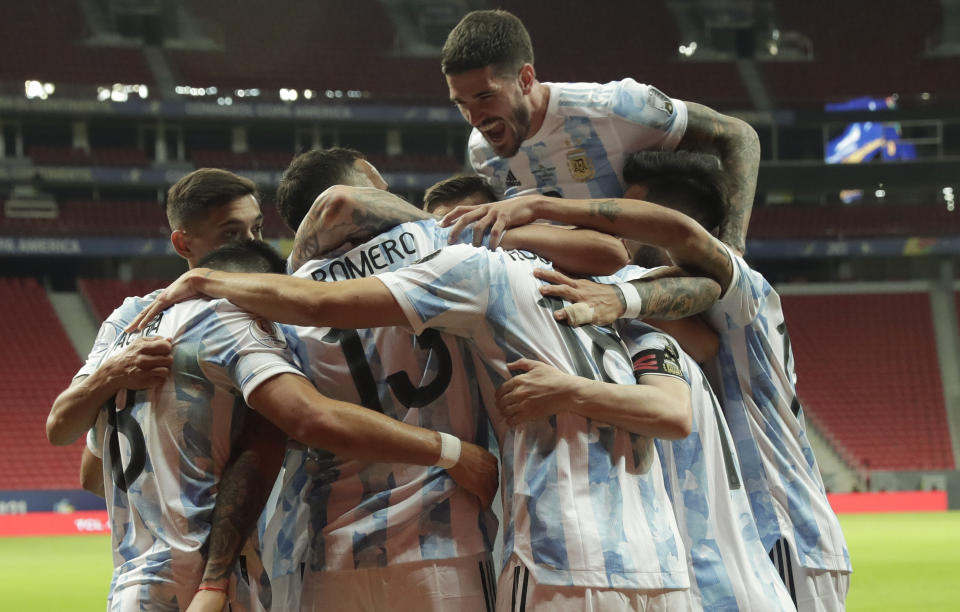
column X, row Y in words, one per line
column 901, row 562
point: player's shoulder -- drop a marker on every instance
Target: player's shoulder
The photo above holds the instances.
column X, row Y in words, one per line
column 130, row 308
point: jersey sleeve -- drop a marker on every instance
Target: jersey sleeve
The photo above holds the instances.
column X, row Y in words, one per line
column 743, row 299
column 105, row 337
column 650, row 118
column 111, row 329
column 652, row 352
column 447, row 290
column 241, row 351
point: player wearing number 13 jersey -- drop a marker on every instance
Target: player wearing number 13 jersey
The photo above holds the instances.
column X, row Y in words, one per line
column 384, row 520
column 163, row 449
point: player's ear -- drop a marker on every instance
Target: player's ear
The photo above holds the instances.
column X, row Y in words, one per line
column 527, row 77
column 179, row 240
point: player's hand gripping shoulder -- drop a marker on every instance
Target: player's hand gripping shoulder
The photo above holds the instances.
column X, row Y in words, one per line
column 497, row 217
column 592, row 303
column 142, row 364
column 477, row 472
column 538, row 392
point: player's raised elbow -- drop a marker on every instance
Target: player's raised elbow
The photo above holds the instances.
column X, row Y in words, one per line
column 57, row 431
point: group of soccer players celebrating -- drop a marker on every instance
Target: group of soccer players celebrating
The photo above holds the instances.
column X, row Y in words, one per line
column 333, row 439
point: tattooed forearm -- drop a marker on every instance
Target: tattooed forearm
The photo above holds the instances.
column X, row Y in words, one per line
column 242, row 495
column 243, row 490
column 676, row 298
column 608, row 209
column 738, row 147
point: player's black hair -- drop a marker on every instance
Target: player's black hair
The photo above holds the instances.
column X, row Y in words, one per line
column 457, row 188
column 692, row 183
column 192, row 197
column 245, row 256
column 309, row 175
column 487, row 38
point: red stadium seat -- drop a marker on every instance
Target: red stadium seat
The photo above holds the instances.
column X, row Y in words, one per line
column 37, row 363
column 868, row 375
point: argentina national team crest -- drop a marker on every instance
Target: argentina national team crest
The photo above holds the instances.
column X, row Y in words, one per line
column 267, row 333
column 581, row 168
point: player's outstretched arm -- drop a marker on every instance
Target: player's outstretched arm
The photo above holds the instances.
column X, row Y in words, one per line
column 578, row 251
column 657, row 406
column 143, row 364
column 353, row 432
column 689, row 244
column 350, row 304
column 241, row 495
column 738, row 147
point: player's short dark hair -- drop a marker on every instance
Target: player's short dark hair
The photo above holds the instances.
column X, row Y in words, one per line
column 692, row 183
column 245, row 256
column 309, row 175
column 457, row 188
column 192, row 197
column 487, row 38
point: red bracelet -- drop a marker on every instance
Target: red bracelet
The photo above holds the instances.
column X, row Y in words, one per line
column 212, row 588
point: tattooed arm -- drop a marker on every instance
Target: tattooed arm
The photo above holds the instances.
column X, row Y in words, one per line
column 738, row 147
column 667, row 299
column 243, row 490
column 345, row 216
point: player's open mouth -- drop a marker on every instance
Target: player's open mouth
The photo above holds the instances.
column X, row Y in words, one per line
column 495, row 131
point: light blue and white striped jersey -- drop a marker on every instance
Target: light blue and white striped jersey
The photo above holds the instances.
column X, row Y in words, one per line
column 371, row 515
column 754, row 377
column 112, row 327
column 164, row 449
column 584, row 503
column 729, row 566
column 580, row 149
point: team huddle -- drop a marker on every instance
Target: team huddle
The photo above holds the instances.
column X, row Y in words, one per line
column 574, row 326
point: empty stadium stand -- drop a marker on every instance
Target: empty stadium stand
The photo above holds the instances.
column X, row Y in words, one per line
column 53, row 47
column 37, row 362
column 867, row 368
column 854, row 221
column 860, row 49
column 94, row 218
column 105, row 294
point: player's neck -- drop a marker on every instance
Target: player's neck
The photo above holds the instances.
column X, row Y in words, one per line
column 539, row 101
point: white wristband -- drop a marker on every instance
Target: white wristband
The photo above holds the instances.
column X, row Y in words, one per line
column 632, row 297
column 449, row 451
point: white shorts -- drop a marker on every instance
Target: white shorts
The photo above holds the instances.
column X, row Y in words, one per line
column 448, row 585
column 519, row 592
column 812, row 590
